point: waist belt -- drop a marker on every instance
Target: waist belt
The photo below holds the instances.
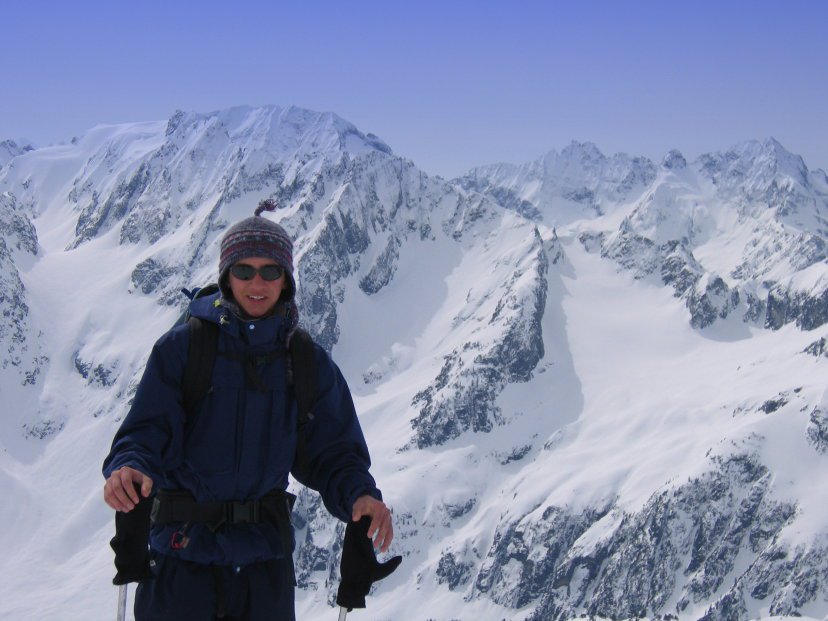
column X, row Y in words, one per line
column 179, row 506
column 272, row 508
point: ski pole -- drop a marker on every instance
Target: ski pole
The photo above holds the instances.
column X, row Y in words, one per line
column 342, row 613
column 122, row 599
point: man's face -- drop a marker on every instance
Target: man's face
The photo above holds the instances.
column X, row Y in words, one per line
column 256, row 296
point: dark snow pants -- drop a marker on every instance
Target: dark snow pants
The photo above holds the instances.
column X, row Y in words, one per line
column 185, row 591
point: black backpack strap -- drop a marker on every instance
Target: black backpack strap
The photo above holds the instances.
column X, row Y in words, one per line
column 303, row 370
column 198, row 370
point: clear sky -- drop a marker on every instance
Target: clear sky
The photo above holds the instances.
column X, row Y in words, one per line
column 448, row 84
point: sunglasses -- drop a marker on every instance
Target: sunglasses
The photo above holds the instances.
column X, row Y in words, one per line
column 243, row 271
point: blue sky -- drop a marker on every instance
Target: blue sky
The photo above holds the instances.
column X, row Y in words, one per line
column 449, row 84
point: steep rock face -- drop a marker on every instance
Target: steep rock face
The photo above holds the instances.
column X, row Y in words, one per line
column 112, row 182
column 333, row 257
column 349, row 222
column 18, row 239
column 817, row 430
column 9, row 149
column 707, row 296
column 808, row 309
column 372, row 208
column 462, row 397
column 678, row 551
column 367, row 210
column 383, row 269
column 98, row 216
column 16, row 228
column 818, row 348
column 783, row 580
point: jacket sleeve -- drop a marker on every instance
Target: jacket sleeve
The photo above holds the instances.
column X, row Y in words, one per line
column 150, row 437
column 335, row 458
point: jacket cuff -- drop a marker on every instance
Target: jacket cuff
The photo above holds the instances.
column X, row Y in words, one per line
column 373, row 492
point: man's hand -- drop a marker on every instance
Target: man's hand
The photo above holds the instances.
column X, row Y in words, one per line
column 120, row 492
column 381, row 530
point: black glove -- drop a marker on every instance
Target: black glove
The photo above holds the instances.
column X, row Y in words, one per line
column 359, row 566
column 131, row 543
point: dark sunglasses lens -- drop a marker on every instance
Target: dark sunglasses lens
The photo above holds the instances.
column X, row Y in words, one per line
column 271, row 272
column 242, row 271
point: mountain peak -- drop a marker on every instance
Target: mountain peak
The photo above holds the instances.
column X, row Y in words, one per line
column 10, row 149
column 769, row 155
column 674, row 160
column 284, row 130
column 758, row 164
column 771, row 151
column 587, row 148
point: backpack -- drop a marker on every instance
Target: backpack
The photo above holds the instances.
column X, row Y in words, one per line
column 201, row 356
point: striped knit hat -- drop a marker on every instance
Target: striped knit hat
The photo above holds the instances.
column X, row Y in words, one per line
column 257, row 237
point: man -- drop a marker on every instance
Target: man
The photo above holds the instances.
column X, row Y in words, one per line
column 232, row 458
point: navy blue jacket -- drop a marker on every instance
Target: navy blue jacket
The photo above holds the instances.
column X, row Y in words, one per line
column 242, row 443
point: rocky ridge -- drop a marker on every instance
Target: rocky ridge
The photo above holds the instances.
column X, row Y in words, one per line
column 757, row 197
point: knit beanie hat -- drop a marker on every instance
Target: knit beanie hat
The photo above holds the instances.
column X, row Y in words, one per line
column 257, row 237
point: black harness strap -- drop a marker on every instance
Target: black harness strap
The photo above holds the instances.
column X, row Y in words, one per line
column 198, row 370
column 180, row 506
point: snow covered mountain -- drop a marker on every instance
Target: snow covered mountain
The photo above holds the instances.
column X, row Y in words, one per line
column 744, row 231
column 591, row 385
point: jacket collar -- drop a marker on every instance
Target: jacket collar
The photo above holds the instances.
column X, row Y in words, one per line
column 226, row 313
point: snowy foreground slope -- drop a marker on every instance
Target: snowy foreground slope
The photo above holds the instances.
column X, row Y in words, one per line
column 591, row 385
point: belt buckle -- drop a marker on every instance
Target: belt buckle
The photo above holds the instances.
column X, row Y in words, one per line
column 243, row 512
